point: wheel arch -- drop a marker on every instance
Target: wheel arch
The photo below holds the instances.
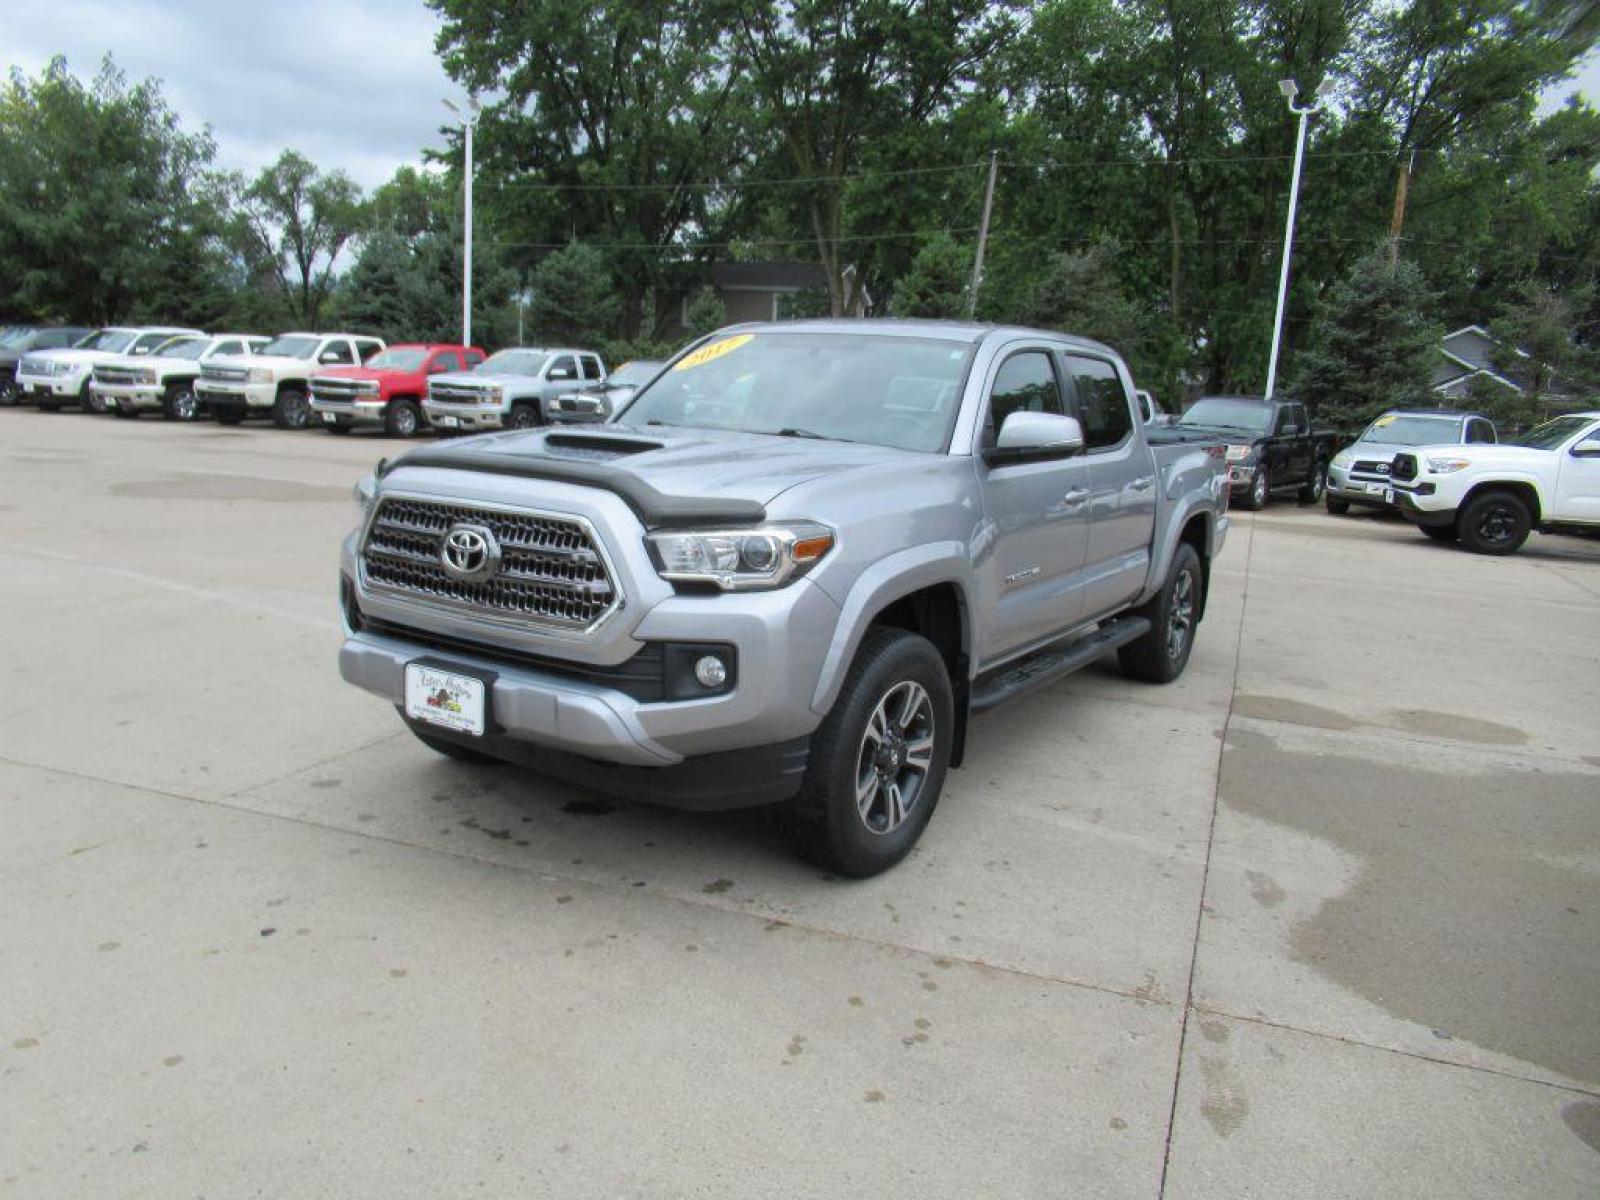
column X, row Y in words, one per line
column 1524, row 489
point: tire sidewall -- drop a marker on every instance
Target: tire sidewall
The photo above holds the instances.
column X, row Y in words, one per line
column 171, row 408
column 293, row 411
column 394, row 418
column 1260, row 490
column 524, row 416
column 1467, row 526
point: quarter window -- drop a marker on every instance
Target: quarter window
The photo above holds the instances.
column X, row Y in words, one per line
column 335, row 352
column 591, row 367
column 1102, row 403
column 1480, row 431
column 448, row 361
column 563, row 368
column 1025, row 383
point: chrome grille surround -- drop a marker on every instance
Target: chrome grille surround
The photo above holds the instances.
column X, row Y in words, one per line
column 338, row 388
column 224, row 374
column 118, row 376
column 458, row 393
column 554, row 575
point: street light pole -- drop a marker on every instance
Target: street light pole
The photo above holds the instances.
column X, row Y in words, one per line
column 469, row 124
column 1290, row 90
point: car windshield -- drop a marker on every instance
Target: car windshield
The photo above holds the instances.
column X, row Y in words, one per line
column 189, row 348
column 1392, row 429
column 849, row 387
column 1226, row 412
column 15, row 336
column 512, row 362
column 398, row 360
column 113, row 340
column 1551, row 434
column 291, row 347
column 632, row 374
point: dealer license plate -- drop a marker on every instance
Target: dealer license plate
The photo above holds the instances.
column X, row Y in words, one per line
column 447, row 699
column 445, row 423
column 1388, row 496
column 1375, row 489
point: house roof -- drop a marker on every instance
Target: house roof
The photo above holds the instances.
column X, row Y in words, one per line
column 768, row 276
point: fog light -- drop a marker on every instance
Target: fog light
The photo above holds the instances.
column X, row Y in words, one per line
column 711, row 671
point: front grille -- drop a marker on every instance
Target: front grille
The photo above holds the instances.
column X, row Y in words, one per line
column 117, row 376
column 1405, row 467
column 224, row 374
column 454, row 393
column 1371, row 466
column 341, row 389
column 550, row 573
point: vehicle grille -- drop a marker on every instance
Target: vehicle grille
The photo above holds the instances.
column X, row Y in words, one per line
column 116, row 376
column 341, row 389
column 550, row 571
column 224, row 374
column 1405, row 467
column 1369, row 466
column 454, row 393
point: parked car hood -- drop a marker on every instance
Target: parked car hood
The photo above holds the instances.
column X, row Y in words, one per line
column 481, row 379
column 71, row 354
column 278, row 361
column 378, row 373
column 690, row 463
column 1498, row 454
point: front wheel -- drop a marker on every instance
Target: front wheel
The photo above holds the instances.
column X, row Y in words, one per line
column 403, row 419
column 180, row 404
column 8, row 391
column 290, row 410
column 878, row 762
column 1311, row 490
column 523, row 416
column 90, row 402
column 1337, row 507
column 1260, row 489
column 1174, row 613
column 1494, row 523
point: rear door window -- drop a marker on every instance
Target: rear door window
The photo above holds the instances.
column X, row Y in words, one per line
column 226, row 348
column 591, row 367
column 563, row 368
column 335, row 352
column 447, row 361
column 1102, row 402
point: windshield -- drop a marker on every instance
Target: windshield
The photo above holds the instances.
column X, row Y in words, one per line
column 189, row 348
column 848, row 387
column 512, row 362
column 398, row 360
column 1393, row 430
column 632, row 374
column 15, row 336
column 113, row 340
column 291, row 347
column 1225, row 412
column 1551, row 434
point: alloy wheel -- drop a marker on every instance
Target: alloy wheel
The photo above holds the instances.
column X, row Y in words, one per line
column 894, row 758
column 1180, row 615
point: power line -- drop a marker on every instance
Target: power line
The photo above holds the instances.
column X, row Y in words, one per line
column 689, row 248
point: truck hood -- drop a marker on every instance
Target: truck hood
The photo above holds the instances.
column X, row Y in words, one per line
column 1483, row 454
column 482, row 379
column 68, row 354
column 690, row 464
column 378, row 373
column 275, row 362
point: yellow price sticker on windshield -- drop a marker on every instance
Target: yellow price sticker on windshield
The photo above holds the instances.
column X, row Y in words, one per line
column 712, row 352
column 1382, row 421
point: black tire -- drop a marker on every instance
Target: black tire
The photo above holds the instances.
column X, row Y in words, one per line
column 1260, row 490
column 8, row 391
column 48, row 405
column 402, row 419
column 337, row 427
column 1337, row 507
column 1174, row 614
column 892, row 670
column 1439, row 533
column 180, row 403
column 1494, row 523
column 291, row 410
column 123, row 414
column 228, row 416
column 454, row 750
column 90, row 403
column 1312, row 489
column 523, row 416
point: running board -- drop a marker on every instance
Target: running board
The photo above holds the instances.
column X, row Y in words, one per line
column 1054, row 662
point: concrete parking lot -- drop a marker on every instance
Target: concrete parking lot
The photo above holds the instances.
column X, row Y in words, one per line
column 1323, row 918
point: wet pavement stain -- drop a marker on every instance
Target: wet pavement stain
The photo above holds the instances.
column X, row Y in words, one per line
column 717, row 886
column 105, row 946
column 1291, row 712
column 1214, row 1031
column 327, row 783
column 1420, row 721
column 1583, row 1118
column 205, row 486
column 172, row 1060
column 1481, row 871
column 874, row 1096
column 25, row 1043
column 1453, row 725
column 1225, row 1104
column 1264, row 890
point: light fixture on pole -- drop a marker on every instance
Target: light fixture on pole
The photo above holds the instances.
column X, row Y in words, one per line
column 469, row 124
column 1290, row 90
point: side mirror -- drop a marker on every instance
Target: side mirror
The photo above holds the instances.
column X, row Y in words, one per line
column 329, row 356
column 1032, row 435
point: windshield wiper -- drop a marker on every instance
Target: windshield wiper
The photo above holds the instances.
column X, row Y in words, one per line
column 791, row 431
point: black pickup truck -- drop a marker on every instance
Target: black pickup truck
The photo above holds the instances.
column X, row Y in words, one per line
column 1271, row 445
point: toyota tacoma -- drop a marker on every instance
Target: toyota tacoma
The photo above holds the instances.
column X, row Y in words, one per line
column 788, row 572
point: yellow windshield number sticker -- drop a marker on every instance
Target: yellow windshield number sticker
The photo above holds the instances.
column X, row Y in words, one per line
column 712, row 352
column 1382, row 421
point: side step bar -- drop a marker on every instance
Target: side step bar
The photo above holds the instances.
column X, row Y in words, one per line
column 1045, row 666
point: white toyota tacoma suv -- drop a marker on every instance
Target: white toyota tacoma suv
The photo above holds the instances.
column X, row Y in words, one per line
column 164, row 382
column 1490, row 497
column 511, row 389
column 275, row 381
column 56, row 378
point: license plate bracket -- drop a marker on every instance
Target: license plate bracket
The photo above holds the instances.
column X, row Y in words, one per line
column 449, row 696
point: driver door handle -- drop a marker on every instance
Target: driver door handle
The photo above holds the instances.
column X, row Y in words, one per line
column 1142, row 484
column 1076, row 496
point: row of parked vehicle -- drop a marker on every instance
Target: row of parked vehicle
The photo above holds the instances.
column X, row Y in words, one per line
column 335, row 380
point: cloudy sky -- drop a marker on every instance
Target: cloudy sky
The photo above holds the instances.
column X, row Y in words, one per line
column 351, row 83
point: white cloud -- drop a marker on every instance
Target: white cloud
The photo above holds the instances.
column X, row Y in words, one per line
column 353, row 85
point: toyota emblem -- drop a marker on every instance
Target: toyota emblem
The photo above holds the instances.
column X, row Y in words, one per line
column 470, row 553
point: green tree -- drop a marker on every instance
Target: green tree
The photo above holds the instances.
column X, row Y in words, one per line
column 936, row 283
column 1539, row 346
column 574, row 302
column 1080, row 292
column 299, row 220
column 705, row 313
column 1374, row 345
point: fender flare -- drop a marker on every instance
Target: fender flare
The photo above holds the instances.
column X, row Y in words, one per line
column 880, row 585
column 1161, row 562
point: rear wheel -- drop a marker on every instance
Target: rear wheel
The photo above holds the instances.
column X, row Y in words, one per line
column 1494, row 523
column 1311, row 491
column 1261, row 488
column 180, row 403
column 1161, row 655
column 290, row 410
column 1337, row 507
column 878, row 762
column 523, row 416
column 402, row 419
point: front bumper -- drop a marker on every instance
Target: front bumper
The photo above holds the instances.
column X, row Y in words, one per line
column 1241, row 478
column 130, row 397
column 1357, row 489
column 365, row 411
column 61, row 387
column 217, row 394
column 1421, row 504
column 463, row 416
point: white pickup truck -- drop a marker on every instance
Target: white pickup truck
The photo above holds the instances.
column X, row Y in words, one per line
column 1490, row 497
column 275, row 380
column 54, row 378
column 511, row 389
column 164, row 381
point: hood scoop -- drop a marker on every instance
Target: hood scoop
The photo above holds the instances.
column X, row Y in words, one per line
column 596, row 447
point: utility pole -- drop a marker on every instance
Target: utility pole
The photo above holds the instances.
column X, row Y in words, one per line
column 1290, row 90
column 468, row 124
column 983, row 236
column 1401, row 188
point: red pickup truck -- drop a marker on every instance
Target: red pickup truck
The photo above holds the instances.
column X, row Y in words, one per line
column 387, row 389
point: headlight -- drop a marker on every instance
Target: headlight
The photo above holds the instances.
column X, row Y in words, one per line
column 1342, row 460
column 1445, row 466
column 741, row 560
column 365, row 495
column 259, row 375
column 490, row 396
column 1240, row 453
column 63, row 368
column 148, row 376
column 367, row 385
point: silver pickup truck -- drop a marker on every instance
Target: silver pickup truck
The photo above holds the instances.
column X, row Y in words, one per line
column 788, row 572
